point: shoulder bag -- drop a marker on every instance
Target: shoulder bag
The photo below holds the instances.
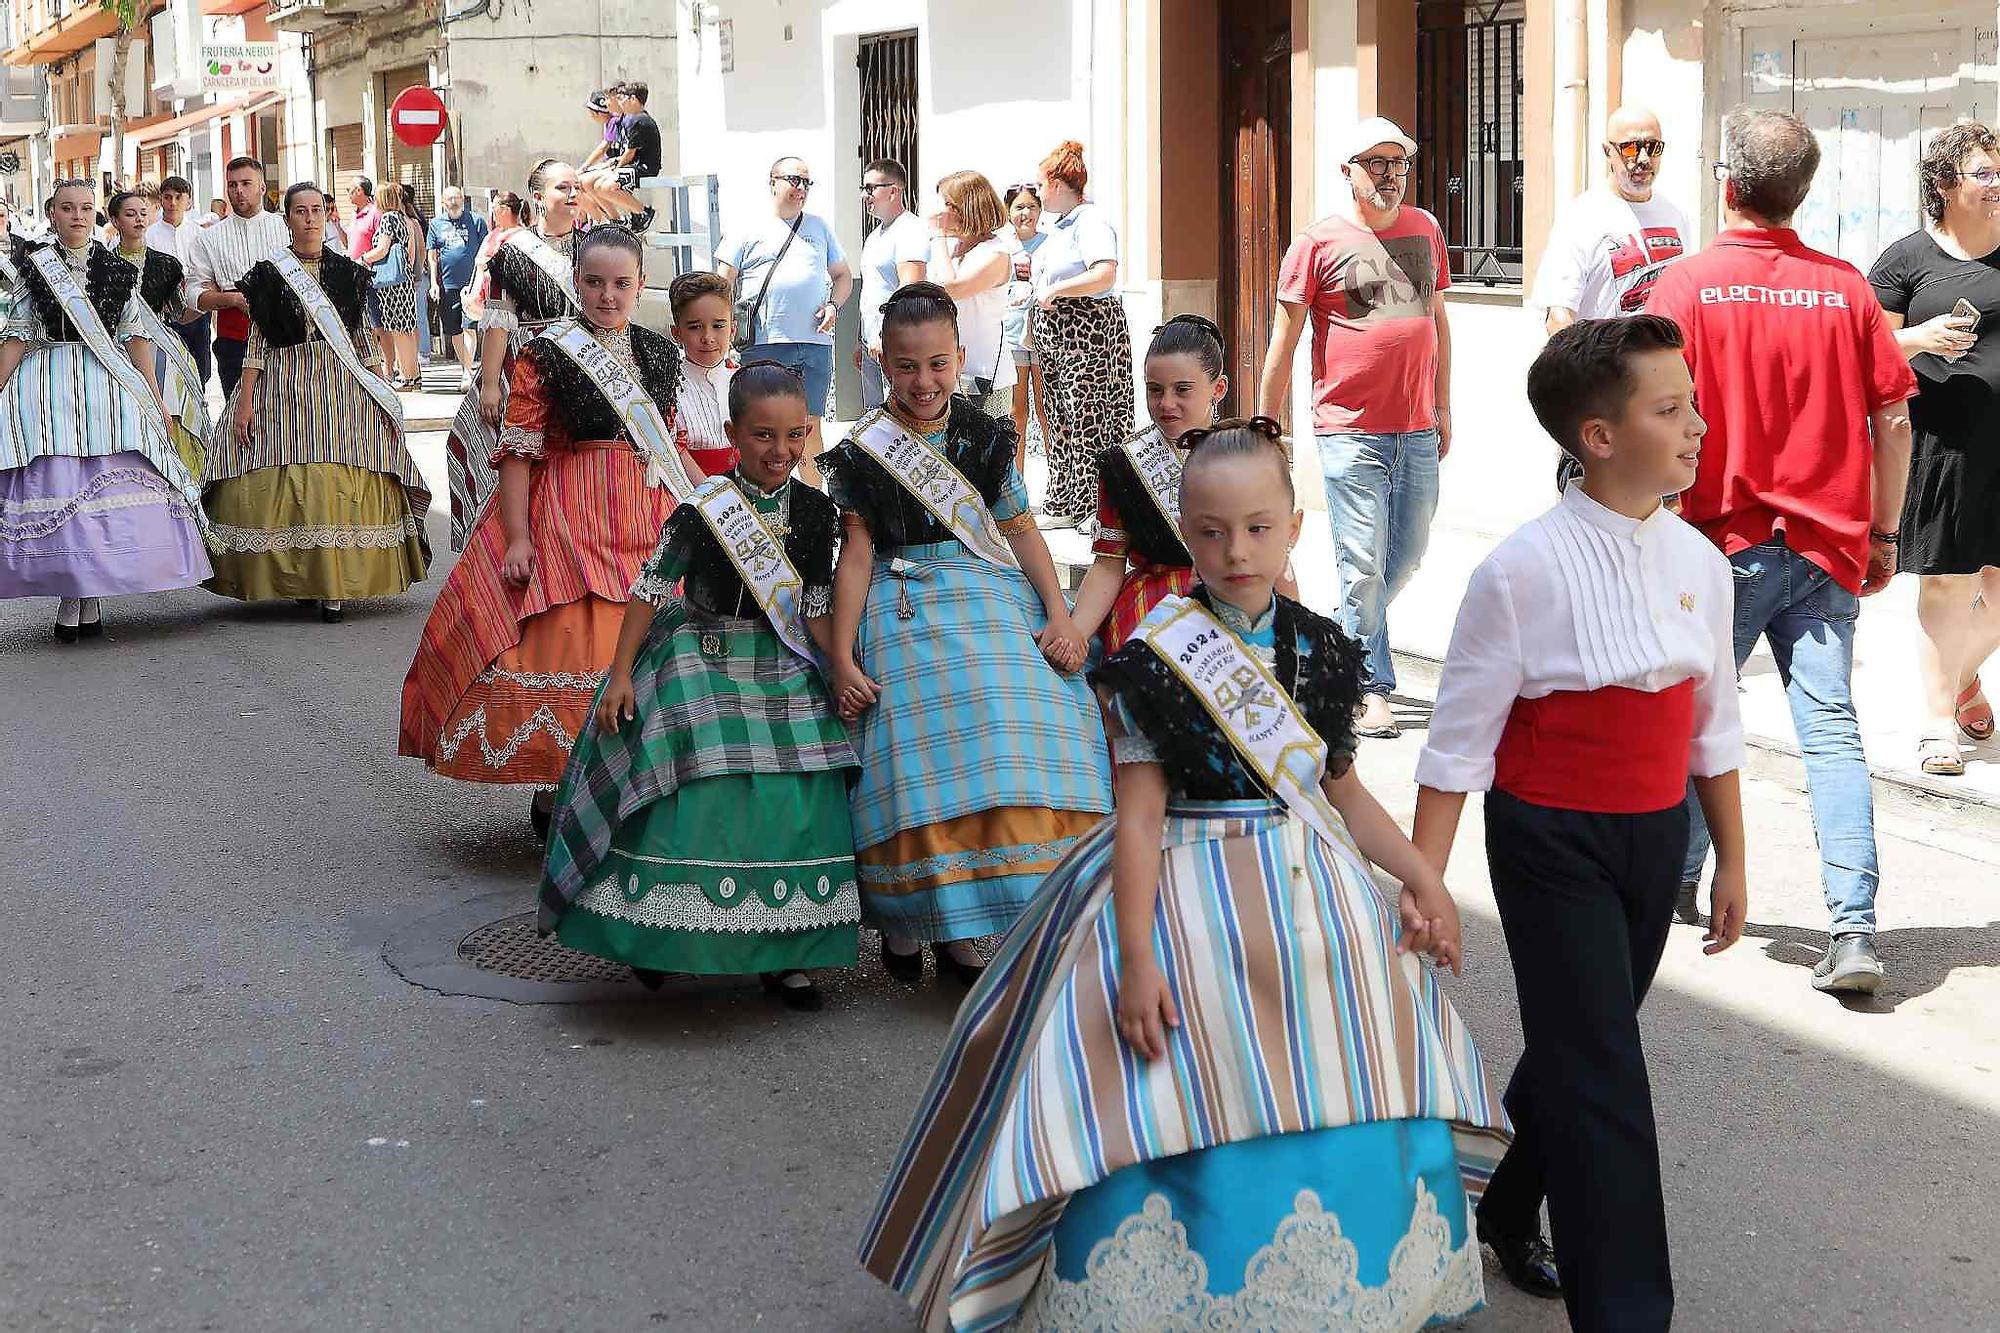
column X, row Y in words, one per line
column 390, row 271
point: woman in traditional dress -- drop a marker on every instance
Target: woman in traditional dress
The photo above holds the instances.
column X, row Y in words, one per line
column 526, row 626
column 982, row 754
column 94, row 502
column 1082, row 341
column 309, row 487
column 528, row 289
column 703, row 324
column 702, row 826
column 160, row 278
column 1206, row 1084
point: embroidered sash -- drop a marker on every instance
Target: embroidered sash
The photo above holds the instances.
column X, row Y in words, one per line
column 183, row 386
column 76, row 305
column 8, row 274
column 937, row 485
column 759, row 558
column 1253, row 710
column 553, row 266
column 319, row 307
column 633, row 405
column 1159, row 469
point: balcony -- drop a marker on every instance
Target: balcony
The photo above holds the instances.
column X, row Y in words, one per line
column 317, row 16
column 49, row 30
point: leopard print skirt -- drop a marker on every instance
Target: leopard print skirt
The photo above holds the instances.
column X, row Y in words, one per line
column 1085, row 350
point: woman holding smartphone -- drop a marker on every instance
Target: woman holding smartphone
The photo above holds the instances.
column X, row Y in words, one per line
column 1940, row 290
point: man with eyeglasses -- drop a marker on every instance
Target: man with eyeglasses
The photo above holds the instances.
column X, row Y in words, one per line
column 1371, row 278
column 896, row 252
column 1611, row 243
column 798, row 299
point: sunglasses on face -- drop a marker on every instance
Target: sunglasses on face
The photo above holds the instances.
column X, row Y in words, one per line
column 1383, row 166
column 1630, row 149
column 796, row 182
column 869, row 187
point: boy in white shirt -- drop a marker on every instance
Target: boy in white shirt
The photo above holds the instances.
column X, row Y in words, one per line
column 1591, row 673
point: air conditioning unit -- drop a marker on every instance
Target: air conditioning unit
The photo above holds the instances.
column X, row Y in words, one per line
column 135, row 77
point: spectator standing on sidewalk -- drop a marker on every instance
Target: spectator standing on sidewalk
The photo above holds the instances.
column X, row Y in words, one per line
column 1951, row 518
column 173, row 234
column 454, row 238
column 897, row 251
column 1372, row 278
column 223, row 253
column 1800, row 483
column 797, row 300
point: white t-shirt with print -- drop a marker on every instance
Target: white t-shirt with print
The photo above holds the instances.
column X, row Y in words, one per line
column 1605, row 252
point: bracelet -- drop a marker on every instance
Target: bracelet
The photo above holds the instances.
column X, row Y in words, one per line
column 1886, row 538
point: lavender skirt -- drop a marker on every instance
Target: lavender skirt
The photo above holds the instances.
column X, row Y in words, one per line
column 95, row 527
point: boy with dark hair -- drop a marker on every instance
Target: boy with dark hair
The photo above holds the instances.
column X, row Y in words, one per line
column 1592, row 672
column 636, row 157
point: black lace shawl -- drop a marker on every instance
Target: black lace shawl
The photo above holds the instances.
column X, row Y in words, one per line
column 160, row 282
column 281, row 317
column 1319, row 666
column 712, row 581
column 108, row 280
column 536, row 298
column 574, row 399
column 1150, row 534
column 980, row 446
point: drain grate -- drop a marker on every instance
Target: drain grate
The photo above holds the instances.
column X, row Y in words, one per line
column 511, row 948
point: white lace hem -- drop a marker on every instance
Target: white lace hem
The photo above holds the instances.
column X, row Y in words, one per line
column 687, row 907
column 1145, row 1276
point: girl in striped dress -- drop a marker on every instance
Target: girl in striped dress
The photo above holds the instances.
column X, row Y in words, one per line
column 702, row 825
column 160, row 279
column 1206, row 1082
column 94, row 501
column 521, row 299
column 309, row 487
column 982, row 754
column 703, row 325
column 527, row 623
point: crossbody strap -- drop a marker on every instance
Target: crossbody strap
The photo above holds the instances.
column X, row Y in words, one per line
column 757, row 306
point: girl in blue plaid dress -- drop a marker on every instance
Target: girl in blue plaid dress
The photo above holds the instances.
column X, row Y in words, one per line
column 702, row 823
column 982, row 753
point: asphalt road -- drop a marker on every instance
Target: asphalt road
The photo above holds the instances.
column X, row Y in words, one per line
column 221, row 1108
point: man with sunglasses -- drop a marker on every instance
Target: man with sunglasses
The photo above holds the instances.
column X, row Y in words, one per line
column 896, row 252
column 792, row 267
column 1610, row 244
column 1371, row 278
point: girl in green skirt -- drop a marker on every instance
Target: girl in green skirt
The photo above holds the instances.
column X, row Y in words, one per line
column 702, row 824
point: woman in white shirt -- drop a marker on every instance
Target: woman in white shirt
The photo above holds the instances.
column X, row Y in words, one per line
column 972, row 258
column 1081, row 339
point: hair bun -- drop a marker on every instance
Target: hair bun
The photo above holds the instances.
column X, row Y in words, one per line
column 1202, row 322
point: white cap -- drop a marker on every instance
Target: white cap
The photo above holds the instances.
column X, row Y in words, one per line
column 1374, row 130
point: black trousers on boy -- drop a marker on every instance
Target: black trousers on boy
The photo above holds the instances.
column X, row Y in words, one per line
column 1585, row 900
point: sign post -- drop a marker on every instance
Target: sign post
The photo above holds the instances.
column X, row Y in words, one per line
column 417, row 117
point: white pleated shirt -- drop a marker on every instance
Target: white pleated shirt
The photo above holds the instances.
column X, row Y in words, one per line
column 1583, row 598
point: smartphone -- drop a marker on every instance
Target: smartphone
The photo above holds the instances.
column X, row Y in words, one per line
column 1964, row 309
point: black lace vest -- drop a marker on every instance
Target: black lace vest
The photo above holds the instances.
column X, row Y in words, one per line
column 281, row 317
column 1145, row 526
column 979, row 446
column 108, row 280
column 712, row 582
column 574, row 399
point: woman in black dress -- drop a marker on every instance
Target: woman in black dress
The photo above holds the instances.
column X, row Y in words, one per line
column 1950, row 531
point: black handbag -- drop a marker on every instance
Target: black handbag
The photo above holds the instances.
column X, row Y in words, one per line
column 746, row 312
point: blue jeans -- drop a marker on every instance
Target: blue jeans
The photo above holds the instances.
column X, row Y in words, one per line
column 1809, row 621
column 814, row 361
column 1381, row 491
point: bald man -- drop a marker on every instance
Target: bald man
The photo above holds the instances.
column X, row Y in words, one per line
column 1610, row 243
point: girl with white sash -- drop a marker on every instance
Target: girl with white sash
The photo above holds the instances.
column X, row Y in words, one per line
column 525, row 626
column 702, row 826
column 982, row 753
column 530, row 286
column 160, row 279
column 309, row 487
column 1207, row 1082
column 1139, row 556
column 94, row 501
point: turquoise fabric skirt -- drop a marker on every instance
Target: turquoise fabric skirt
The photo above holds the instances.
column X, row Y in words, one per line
column 1363, row 1227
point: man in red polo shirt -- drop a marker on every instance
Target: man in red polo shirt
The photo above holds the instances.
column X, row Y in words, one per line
column 1800, row 483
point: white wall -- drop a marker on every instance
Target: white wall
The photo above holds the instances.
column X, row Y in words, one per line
column 518, row 84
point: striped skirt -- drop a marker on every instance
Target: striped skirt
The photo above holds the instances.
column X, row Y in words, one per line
column 1298, row 1017
column 471, row 444
column 1146, row 585
column 980, row 763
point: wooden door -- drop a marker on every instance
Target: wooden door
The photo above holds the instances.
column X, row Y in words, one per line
column 1255, row 48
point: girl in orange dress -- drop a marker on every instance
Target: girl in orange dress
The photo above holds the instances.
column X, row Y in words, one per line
column 1140, row 557
column 525, row 627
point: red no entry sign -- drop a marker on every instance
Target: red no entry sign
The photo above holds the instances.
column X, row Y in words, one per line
column 417, row 117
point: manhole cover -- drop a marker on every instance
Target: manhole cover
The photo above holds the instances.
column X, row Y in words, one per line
column 511, row 948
